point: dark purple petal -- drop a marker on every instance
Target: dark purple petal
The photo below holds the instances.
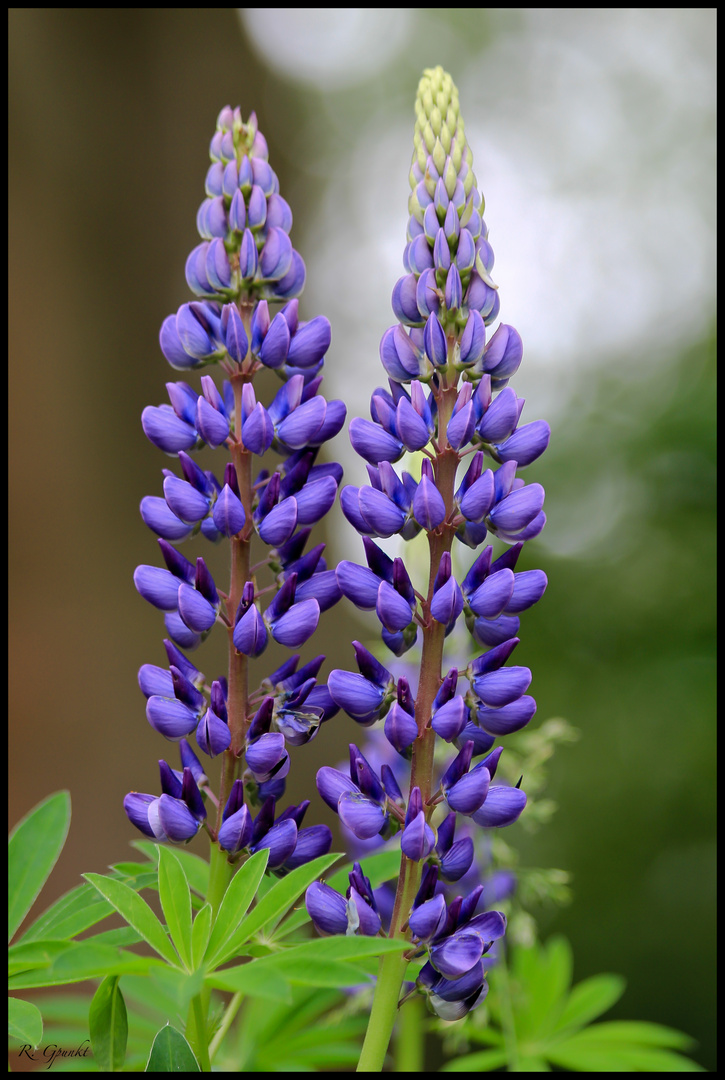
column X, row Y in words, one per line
column 136, row 806
column 184, row 500
column 507, row 719
column 491, row 599
column 212, row 425
column 155, row 680
column 157, row 515
column 315, row 499
column 361, row 815
column 171, row 718
column 160, row 587
column 166, row 430
column 428, row 505
column 299, row 426
column 280, row 840
column 212, row 734
column 358, row 584
column 311, row 843
column 500, row 417
column 250, row 633
column 194, row 609
column 310, row 343
column 326, row 908
column 418, row 839
column 468, row 793
column 461, row 426
column 401, row 729
column 177, row 821
column 502, row 807
column 296, row 625
column 392, row 609
column 428, row 919
column 332, row 784
column 447, row 602
column 374, row 443
column 450, row 720
column 479, row 498
column 280, row 522
column 518, row 509
column 503, row 686
column 382, row 515
column 529, row 587
column 526, row 444
column 360, row 698
column 457, row 861
column 265, row 753
column 258, row 430
column 228, row 512
column 456, row 955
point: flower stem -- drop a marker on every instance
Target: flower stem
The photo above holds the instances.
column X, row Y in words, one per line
column 392, row 967
column 409, row 1037
column 384, row 1012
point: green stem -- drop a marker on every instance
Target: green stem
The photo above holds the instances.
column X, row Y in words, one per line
column 220, row 874
column 200, row 1048
column 508, row 1025
column 392, row 968
column 410, row 1037
column 230, row 1012
column 384, row 1012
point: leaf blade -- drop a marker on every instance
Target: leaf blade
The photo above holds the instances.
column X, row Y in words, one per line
column 137, row 914
column 108, row 1025
column 176, row 903
column 171, row 1052
column 33, row 850
column 25, row 1022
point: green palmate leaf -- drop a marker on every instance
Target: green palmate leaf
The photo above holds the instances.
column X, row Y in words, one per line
column 83, row 960
column 33, row 849
column 589, row 999
column 24, row 1021
column 483, row 1061
column 643, row 1033
column 78, row 910
column 37, row 954
column 195, row 868
column 171, row 1053
column 544, row 977
column 122, row 935
column 277, row 901
column 266, row 983
column 108, row 1025
column 341, row 947
column 239, row 895
column 178, row 987
column 176, row 903
column 584, row 1052
column 323, row 973
column 200, row 932
column 137, row 914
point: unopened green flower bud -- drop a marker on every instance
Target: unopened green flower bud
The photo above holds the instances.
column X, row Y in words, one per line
column 450, row 176
column 439, row 158
column 436, row 120
column 445, row 137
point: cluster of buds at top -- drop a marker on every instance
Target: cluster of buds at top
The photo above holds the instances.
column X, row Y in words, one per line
column 449, row 403
column 244, row 266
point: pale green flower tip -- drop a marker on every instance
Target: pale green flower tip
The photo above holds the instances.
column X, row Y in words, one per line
column 437, row 98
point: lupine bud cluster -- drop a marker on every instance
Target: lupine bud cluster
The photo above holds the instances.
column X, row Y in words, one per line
column 246, row 277
column 447, row 409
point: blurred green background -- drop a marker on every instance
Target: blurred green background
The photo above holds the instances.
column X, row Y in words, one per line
column 593, row 140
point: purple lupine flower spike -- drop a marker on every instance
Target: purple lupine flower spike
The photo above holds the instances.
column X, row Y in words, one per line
column 450, row 406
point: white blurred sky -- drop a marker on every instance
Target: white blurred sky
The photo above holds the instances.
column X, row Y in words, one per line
column 593, row 137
